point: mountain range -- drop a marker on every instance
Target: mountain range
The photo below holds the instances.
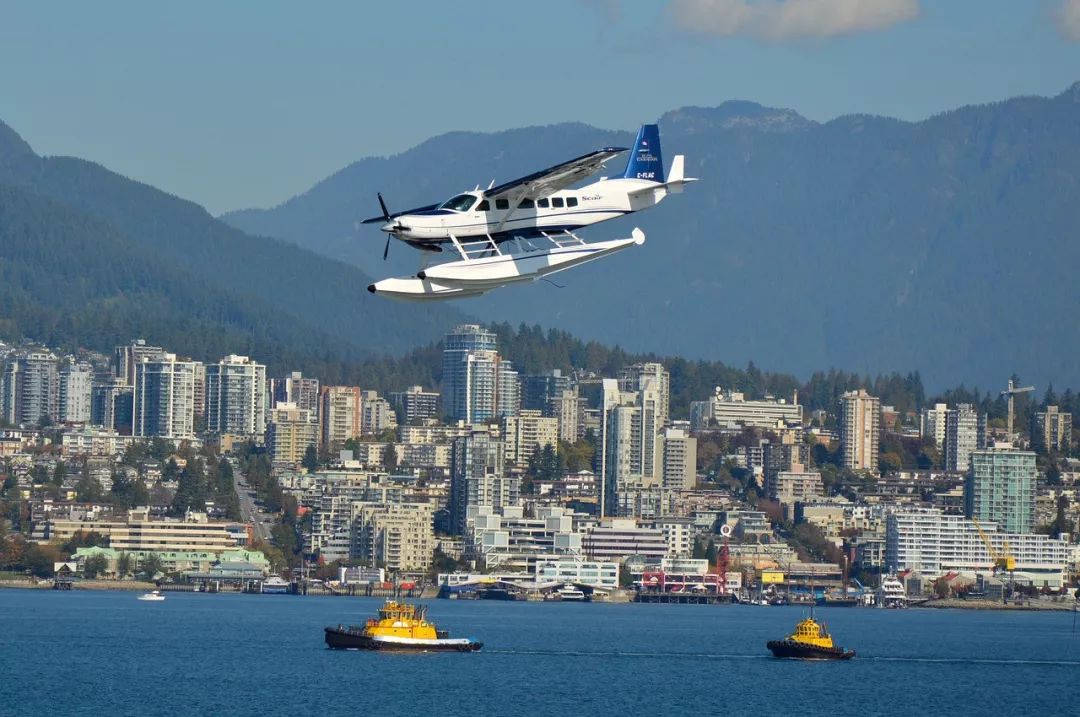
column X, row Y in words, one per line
column 89, row 258
column 947, row 245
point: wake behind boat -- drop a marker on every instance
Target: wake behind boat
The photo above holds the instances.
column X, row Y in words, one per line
column 400, row 626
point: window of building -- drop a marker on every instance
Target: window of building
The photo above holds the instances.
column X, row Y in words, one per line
column 556, row 202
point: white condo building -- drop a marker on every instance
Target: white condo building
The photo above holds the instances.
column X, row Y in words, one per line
column 163, row 402
column 76, row 384
column 732, row 410
column 236, row 397
column 860, row 430
column 933, row 543
column 339, row 416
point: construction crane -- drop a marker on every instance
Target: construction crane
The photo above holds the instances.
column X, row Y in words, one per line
column 1003, row 560
column 1012, row 392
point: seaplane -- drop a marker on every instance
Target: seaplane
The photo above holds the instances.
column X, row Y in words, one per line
column 524, row 230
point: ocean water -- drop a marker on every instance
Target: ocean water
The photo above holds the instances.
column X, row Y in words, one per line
column 105, row 653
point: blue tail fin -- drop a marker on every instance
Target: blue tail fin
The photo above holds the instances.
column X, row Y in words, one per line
column 645, row 159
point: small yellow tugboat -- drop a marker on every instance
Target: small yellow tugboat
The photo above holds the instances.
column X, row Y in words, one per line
column 400, row 626
column 810, row 641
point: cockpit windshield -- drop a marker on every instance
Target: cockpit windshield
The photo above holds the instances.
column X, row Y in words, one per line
column 460, row 203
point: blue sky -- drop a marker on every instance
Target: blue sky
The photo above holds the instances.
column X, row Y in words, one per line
column 248, row 103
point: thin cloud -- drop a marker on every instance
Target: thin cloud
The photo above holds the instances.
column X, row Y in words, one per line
column 1067, row 18
column 791, row 19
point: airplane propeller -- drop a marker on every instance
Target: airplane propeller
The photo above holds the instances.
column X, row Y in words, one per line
column 386, row 216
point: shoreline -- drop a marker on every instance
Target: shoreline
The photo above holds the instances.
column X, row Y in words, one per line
column 940, row 604
column 1027, row 605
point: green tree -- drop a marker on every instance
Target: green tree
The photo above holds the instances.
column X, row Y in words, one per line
column 88, row 490
column 311, row 458
column 125, row 564
column 151, row 565
column 59, row 473
column 390, row 461
column 94, row 566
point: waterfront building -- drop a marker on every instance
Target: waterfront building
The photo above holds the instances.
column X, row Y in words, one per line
column 163, row 397
column 932, row 424
column 30, row 388
column 600, row 575
column 376, row 413
column 76, row 382
column 965, row 431
column 506, row 539
column 339, row 416
column 678, row 534
column 195, row 533
column 290, row 432
column 934, row 543
column 1051, row 430
column 622, row 538
column 414, row 405
column 731, row 410
column 526, row 433
column 478, row 477
column 297, row 390
column 679, row 470
column 397, row 536
column 236, row 397
column 1000, row 487
column 860, row 430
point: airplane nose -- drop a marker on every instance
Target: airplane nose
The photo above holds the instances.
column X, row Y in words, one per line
column 388, row 227
column 371, row 288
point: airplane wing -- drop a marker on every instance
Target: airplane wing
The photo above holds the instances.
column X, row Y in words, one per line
column 541, row 184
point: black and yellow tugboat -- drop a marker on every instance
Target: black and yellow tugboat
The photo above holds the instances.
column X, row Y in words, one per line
column 400, row 626
column 810, row 641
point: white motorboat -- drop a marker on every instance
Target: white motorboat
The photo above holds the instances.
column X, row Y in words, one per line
column 152, row 596
column 275, row 586
column 570, row 592
column 891, row 593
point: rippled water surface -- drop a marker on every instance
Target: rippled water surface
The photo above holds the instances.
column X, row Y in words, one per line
column 107, row 653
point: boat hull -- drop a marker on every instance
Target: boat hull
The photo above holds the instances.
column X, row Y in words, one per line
column 338, row 638
column 801, row 651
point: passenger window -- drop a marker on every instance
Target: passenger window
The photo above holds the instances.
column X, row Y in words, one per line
column 526, row 204
column 571, row 201
column 483, row 206
column 502, row 203
column 542, row 203
column 556, row 202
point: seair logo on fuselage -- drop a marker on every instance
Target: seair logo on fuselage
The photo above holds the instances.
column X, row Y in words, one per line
column 644, row 156
column 589, row 198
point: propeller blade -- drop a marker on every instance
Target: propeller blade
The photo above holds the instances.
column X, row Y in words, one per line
column 386, row 249
column 385, row 211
